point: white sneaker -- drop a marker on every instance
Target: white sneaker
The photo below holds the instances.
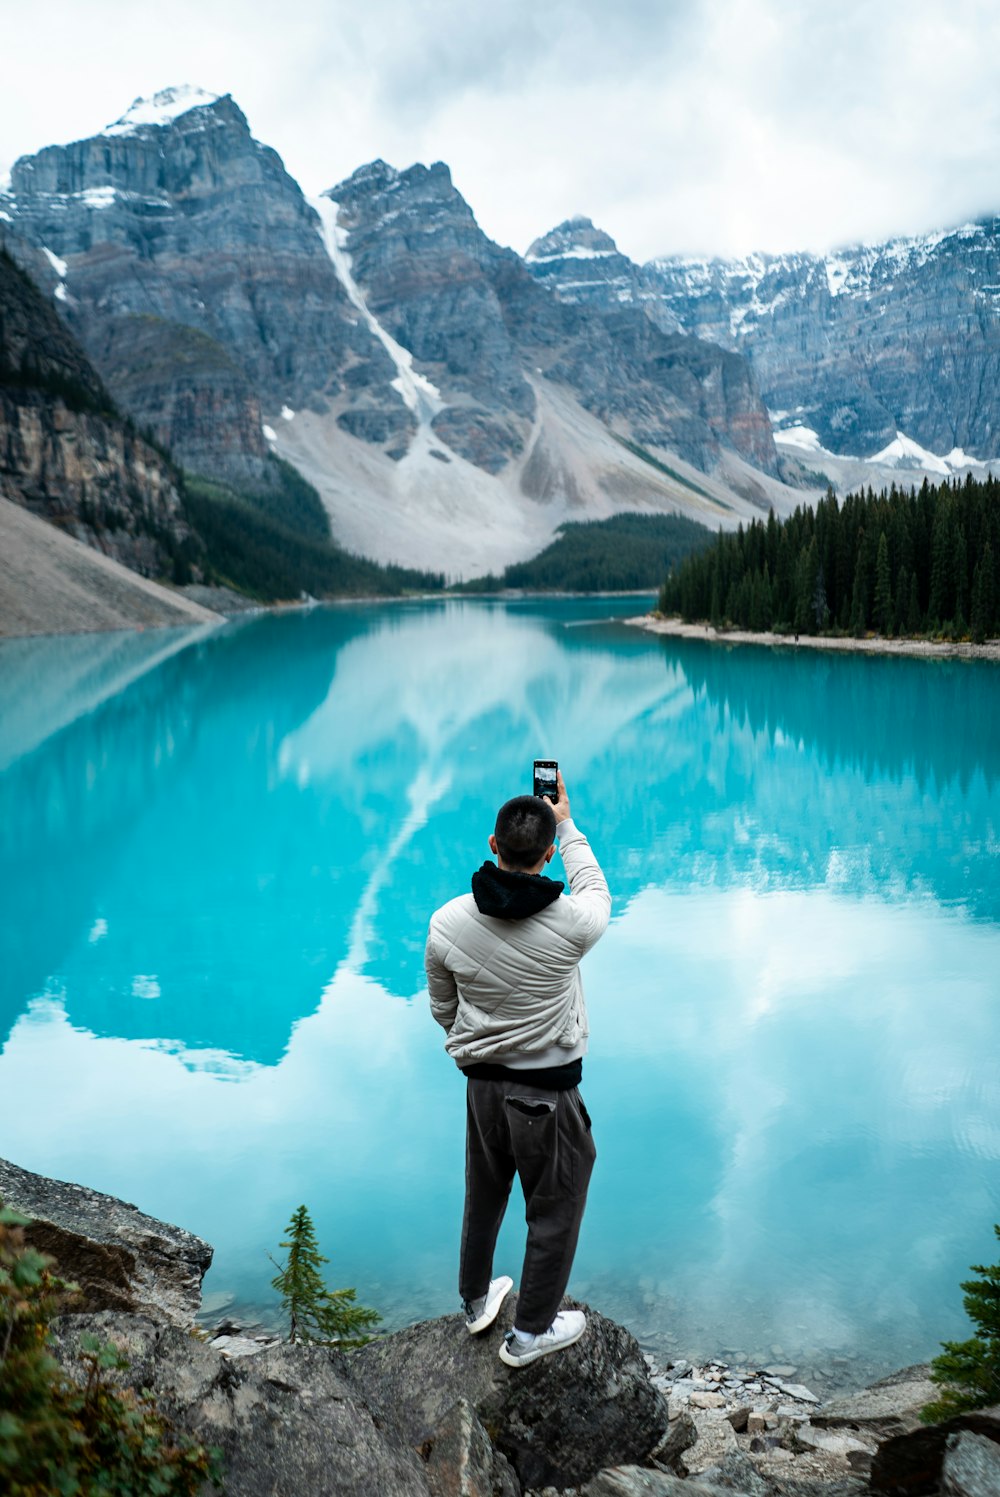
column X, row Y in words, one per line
column 568, row 1326
column 480, row 1313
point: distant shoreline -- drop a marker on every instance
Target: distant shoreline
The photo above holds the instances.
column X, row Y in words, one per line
column 874, row 645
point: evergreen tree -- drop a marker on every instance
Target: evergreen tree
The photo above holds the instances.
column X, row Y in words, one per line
column 883, row 590
column 969, row 1371
column 982, row 595
column 315, row 1313
column 913, row 619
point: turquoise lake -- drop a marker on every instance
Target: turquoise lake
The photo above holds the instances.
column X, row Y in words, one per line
column 218, row 855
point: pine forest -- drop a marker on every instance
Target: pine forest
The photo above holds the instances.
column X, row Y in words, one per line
column 902, row 562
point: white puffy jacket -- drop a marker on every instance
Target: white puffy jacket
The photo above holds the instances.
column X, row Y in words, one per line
column 509, row 991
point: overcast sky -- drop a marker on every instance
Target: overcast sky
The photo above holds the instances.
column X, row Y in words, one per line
column 718, row 126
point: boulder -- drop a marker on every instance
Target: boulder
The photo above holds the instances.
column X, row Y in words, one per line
column 910, row 1464
column 736, row 1473
column 289, row 1420
column 680, row 1436
column 461, row 1461
column 120, row 1258
column 637, row 1481
column 971, row 1466
column 558, row 1421
column 889, row 1407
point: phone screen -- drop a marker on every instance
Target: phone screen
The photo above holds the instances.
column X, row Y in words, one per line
column 545, row 778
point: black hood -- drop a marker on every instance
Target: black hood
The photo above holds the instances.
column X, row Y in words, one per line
column 512, row 896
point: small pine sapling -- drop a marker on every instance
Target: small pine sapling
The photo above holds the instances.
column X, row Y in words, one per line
column 315, row 1313
column 969, row 1371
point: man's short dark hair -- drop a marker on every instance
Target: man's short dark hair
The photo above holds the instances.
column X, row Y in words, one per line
column 525, row 830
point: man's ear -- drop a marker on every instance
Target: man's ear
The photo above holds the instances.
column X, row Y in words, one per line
column 493, row 845
column 550, row 853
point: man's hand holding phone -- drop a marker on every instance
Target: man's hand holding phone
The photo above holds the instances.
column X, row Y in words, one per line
column 561, row 805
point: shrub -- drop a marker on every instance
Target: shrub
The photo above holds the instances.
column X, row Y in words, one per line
column 61, row 1438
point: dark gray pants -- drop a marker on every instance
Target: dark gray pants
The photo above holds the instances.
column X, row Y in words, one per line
column 544, row 1138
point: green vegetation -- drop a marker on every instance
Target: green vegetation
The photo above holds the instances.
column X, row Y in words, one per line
column 269, row 545
column 626, row 553
column 661, row 467
column 315, row 1313
column 969, row 1371
column 902, row 563
column 63, row 1438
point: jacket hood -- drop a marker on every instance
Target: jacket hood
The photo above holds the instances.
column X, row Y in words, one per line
column 507, row 895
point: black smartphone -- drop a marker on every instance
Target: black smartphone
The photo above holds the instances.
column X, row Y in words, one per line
column 545, row 778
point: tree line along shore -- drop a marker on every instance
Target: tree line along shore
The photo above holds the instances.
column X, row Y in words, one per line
column 905, row 564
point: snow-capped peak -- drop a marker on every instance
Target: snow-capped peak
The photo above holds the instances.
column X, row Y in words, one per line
column 162, row 109
column 576, row 239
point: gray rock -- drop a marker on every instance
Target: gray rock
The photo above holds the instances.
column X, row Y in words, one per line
column 680, row 1436
column 736, row 1472
column 716, row 1439
column 835, row 1442
column 971, row 1466
column 799, row 1391
column 889, row 1407
column 289, row 1420
column 781, row 1369
column 461, row 1461
column 637, row 1481
column 910, row 1464
column 120, row 1258
column 558, row 1422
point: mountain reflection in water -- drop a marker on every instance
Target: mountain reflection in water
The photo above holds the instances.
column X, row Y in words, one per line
column 217, row 882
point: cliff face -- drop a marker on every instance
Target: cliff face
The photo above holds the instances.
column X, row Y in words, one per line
column 632, row 364
column 875, row 340
column 206, row 288
column 65, row 453
column 480, row 321
column 436, row 284
column 189, row 263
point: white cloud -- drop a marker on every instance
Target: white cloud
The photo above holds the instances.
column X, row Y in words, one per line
column 723, row 125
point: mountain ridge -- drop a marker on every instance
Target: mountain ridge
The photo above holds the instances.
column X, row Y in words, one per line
column 202, row 284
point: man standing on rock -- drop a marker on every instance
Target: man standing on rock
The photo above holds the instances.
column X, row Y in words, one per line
column 504, row 981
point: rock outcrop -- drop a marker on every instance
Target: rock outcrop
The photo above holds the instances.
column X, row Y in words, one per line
column 65, row 451
column 557, row 1422
column 188, row 260
column 431, row 1412
column 121, row 1258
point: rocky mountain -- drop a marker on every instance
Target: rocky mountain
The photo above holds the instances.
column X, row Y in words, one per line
column 189, row 263
column 65, row 451
column 582, row 264
column 450, row 406
column 866, row 346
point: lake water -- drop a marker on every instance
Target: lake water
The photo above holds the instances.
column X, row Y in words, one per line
column 219, row 853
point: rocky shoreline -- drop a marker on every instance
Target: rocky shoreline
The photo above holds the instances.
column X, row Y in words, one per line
column 870, row 645
column 429, row 1411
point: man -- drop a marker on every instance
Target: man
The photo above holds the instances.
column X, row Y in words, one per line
column 504, row 981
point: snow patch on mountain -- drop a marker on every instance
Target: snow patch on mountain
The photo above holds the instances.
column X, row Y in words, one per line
column 59, row 266
column 162, row 109
column 417, row 392
column 901, row 452
column 573, row 252
column 98, row 197
column 801, row 437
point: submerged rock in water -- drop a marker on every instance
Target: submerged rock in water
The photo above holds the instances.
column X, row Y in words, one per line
column 120, row 1258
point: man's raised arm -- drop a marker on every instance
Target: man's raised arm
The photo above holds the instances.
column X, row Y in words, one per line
column 589, row 887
